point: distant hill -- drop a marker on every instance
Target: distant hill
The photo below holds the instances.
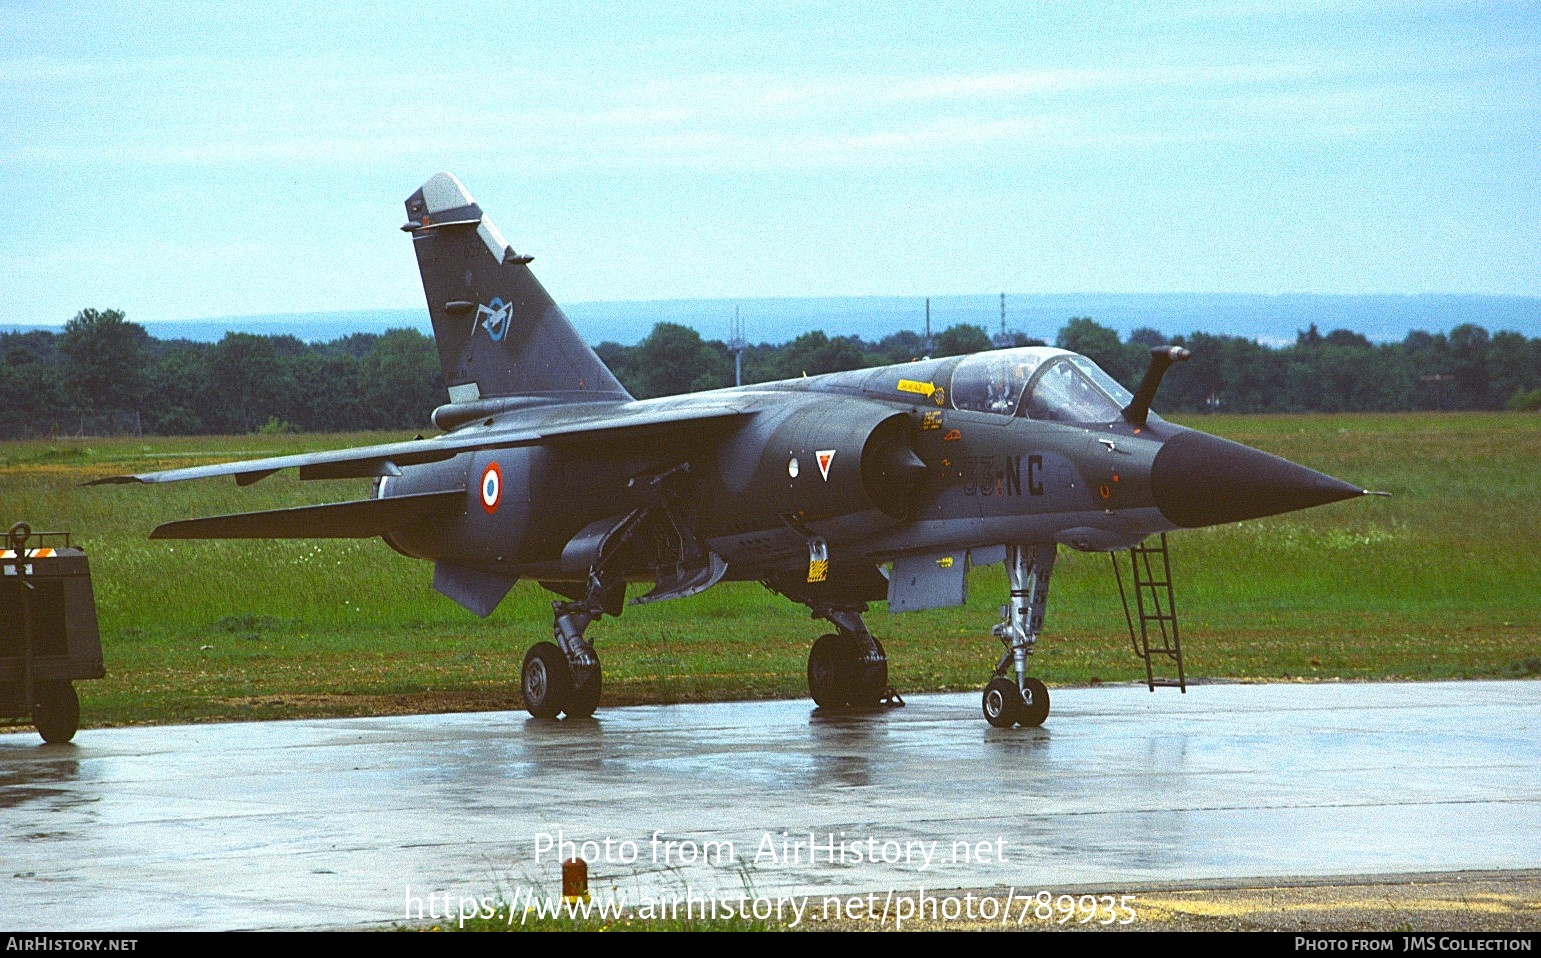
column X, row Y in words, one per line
column 1272, row 320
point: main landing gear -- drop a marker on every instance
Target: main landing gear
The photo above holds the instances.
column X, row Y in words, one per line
column 1013, row 697
column 848, row 669
column 563, row 677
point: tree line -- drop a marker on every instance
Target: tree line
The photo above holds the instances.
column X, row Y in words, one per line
column 106, row 375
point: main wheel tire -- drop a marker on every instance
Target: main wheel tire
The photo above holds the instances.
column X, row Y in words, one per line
column 1034, row 712
column 870, row 680
column 1002, row 704
column 56, row 711
column 831, row 664
column 585, row 697
column 547, row 681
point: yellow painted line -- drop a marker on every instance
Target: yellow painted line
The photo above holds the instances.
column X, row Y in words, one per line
column 1246, row 904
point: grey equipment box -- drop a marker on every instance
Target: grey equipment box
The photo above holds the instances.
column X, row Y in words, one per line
column 48, row 634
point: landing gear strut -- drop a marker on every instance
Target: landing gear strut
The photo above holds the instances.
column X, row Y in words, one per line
column 849, row 668
column 1013, row 697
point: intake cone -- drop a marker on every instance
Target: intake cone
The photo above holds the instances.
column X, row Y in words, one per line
column 1203, row 480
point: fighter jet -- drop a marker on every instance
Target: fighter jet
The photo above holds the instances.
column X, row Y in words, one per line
column 835, row 491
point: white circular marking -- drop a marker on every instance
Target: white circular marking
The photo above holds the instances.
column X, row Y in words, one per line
column 792, row 467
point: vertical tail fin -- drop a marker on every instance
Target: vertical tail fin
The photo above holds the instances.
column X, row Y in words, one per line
column 498, row 331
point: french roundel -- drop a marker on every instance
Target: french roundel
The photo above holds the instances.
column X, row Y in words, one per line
column 492, row 487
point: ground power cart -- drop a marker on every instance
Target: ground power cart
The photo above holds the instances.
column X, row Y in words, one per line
column 48, row 634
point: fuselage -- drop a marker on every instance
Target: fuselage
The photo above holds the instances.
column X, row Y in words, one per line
column 1021, row 445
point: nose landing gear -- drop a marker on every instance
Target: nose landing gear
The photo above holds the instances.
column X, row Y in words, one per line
column 1012, row 697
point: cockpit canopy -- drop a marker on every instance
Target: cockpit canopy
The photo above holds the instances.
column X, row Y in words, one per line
column 1037, row 382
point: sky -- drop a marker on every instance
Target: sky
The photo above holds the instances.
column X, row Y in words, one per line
column 193, row 160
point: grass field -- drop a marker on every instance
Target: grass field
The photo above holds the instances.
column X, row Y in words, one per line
column 1442, row 580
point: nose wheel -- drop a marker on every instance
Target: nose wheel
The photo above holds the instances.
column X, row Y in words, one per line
column 1006, row 705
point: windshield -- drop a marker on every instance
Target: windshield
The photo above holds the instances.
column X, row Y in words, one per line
column 1064, row 393
column 1121, row 396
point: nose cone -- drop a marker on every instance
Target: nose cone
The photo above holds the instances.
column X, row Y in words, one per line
column 1203, row 480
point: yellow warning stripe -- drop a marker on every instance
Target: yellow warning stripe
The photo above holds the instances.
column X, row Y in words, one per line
column 30, row 554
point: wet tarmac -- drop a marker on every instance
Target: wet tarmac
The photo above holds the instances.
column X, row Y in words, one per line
column 366, row 822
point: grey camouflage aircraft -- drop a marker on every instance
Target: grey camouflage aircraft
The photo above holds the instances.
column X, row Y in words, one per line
column 835, row 491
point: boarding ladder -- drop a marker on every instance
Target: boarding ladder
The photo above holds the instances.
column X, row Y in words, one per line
column 1155, row 607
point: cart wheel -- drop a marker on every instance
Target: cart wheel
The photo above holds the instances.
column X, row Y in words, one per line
column 56, row 711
